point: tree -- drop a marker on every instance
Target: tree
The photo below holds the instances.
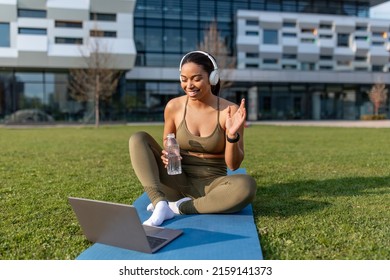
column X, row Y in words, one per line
column 214, row 44
column 98, row 80
column 378, row 96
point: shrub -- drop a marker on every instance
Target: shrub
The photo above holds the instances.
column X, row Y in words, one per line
column 373, row 117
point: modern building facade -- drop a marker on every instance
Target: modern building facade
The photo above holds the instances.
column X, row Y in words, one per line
column 320, row 66
column 40, row 40
column 295, row 59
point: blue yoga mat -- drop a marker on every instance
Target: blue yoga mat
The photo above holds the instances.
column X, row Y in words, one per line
column 205, row 237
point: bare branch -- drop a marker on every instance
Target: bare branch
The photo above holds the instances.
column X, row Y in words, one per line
column 214, row 44
column 98, row 80
column 378, row 96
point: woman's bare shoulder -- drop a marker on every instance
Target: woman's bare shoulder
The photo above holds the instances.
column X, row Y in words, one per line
column 174, row 107
column 175, row 103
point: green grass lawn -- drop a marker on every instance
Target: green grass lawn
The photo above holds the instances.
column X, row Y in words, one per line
column 323, row 193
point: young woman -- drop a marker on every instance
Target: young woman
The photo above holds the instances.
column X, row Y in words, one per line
column 209, row 130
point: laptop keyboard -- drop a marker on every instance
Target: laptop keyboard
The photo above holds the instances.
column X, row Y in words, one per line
column 155, row 241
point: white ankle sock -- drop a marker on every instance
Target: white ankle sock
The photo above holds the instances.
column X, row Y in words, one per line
column 161, row 213
column 175, row 205
column 150, row 207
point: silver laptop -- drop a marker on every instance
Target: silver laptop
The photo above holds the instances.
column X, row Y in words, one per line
column 119, row 225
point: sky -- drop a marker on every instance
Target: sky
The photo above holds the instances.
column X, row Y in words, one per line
column 381, row 11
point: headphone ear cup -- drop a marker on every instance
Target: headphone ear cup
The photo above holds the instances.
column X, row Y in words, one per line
column 214, row 77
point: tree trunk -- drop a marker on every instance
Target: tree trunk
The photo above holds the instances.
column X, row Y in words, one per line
column 97, row 90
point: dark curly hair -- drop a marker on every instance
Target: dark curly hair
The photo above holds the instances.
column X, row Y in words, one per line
column 204, row 61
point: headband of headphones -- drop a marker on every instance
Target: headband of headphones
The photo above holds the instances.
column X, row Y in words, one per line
column 214, row 75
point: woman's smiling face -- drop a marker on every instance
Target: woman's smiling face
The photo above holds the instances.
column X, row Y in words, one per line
column 194, row 80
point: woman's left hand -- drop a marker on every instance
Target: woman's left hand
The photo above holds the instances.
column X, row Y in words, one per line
column 233, row 123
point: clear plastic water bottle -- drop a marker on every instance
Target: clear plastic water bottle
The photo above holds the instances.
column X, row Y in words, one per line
column 174, row 159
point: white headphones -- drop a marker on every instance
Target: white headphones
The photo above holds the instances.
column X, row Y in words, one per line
column 214, row 75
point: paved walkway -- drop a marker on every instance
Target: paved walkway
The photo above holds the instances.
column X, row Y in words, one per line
column 333, row 123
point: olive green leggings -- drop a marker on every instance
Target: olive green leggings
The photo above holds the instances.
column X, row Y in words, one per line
column 223, row 194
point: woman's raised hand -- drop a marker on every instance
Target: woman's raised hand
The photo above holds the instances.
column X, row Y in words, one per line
column 233, row 123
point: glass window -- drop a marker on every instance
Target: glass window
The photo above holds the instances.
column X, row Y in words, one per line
column 30, row 87
column 270, row 37
column 377, row 34
column 102, row 17
column 190, row 24
column 289, row 66
column 189, row 39
column 31, row 13
column 224, row 11
column 326, row 67
column 154, row 60
column 349, row 8
column 361, row 38
column 289, row 5
column 360, row 58
column 307, row 66
column 72, row 41
column 29, row 76
column 326, row 26
column 68, row 24
column 266, row 103
column 377, row 68
column 343, row 63
column 139, row 8
column 51, row 77
column 363, row 9
column 240, row 5
column 289, row 56
column 252, row 33
column 361, row 69
column 289, row 24
column 207, row 9
column 172, row 40
column 139, row 22
column 155, row 22
column 361, row 28
column 190, row 9
column 102, row 33
column 171, row 60
column 334, row 7
column 289, row 35
column 139, row 37
column 270, row 61
column 252, row 22
column 375, row 43
column 304, row 6
column 4, row 35
column 251, row 55
column 326, row 57
column 172, row 23
column 154, row 39
column 258, row 5
column 154, row 8
column 31, row 96
column 273, row 5
column 32, row 31
column 172, row 9
column 343, row 39
column 308, row 40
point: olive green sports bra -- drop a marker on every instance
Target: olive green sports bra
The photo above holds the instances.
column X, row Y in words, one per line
column 212, row 144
